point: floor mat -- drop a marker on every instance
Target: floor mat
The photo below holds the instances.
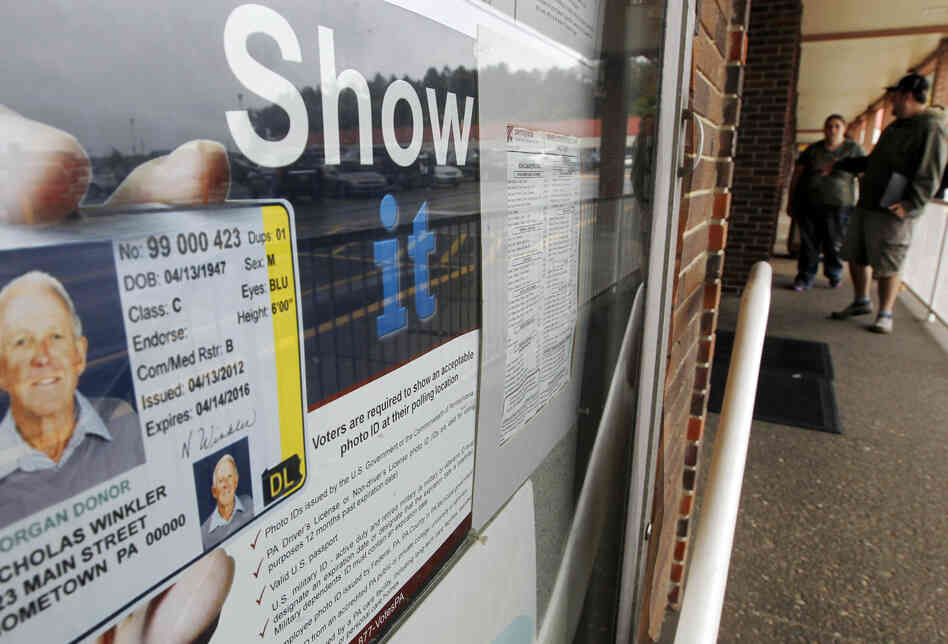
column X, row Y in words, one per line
column 784, row 354
column 795, row 386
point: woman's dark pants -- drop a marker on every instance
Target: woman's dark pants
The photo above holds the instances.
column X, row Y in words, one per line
column 822, row 230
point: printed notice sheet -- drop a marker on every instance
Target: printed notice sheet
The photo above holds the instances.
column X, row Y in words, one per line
column 153, row 404
column 542, row 238
column 387, row 501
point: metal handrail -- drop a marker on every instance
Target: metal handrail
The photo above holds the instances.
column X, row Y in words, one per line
column 711, row 555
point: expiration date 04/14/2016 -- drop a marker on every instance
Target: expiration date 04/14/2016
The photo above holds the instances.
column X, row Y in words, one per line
column 222, row 399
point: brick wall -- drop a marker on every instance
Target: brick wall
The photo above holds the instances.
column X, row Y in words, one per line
column 765, row 150
column 743, row 91
column 719, row 50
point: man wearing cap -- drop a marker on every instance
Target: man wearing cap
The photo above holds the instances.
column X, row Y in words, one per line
column 900, row 176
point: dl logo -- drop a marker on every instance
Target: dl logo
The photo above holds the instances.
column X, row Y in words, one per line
column 421, row 243
column 281, row 478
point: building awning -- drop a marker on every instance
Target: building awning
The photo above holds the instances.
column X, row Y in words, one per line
column 852, row 49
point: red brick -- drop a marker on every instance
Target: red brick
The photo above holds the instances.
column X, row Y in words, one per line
column 734, row 79
column 660, row 583
column 702, row 377
column 678, row 391
column 685, row 505
column 699, row 404
column 740, row 14
column 712, row 295
column 732, row 110
column 705, row 100
column 709, row 60
column 680, row 378
column 737, row 52
column 695, row 210
column 691, row 280
column 688, row 483
column 706, row 350
column 671, row 494
column 695, row 428
column 710, row 174
column 709, row 321
column 722, row 205
column 716, row 141
column 684, row 314
column 717, row 235
column 715, row 267
column 703, row 177
column 727, row 146
column 714, row 21
column 693, row 244
column 691, row 459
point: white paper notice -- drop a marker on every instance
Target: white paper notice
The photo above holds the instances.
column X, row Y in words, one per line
column 504, row 561
column 542, row 238
column 574, row 23
column 387, row 500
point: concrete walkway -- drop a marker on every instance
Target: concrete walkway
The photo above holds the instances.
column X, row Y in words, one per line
column 844, row 538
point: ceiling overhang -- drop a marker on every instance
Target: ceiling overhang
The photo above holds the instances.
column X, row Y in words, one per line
column 852, row 49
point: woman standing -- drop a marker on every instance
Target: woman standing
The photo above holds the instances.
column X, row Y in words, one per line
column 820, row 201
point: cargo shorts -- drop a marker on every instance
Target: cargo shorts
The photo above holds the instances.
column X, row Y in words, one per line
column 878, row 239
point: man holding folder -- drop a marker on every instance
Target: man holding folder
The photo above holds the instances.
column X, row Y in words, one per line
column 900, row 175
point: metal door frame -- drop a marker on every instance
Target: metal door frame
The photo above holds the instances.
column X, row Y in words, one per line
column 674, row 89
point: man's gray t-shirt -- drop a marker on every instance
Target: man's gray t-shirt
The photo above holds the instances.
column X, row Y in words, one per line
column 106, row 442
column 837, row 188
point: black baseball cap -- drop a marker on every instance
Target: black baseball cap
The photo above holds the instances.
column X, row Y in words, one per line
column 914, row 83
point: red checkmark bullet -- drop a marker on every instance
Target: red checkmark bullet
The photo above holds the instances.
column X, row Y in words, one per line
column 260, row 598
column 264, row 627
column 259, row 566
column 253, row 544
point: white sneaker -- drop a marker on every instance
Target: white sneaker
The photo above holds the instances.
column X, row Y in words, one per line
column 883, row 324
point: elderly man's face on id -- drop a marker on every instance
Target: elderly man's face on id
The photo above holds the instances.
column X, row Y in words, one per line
column 40, row 357
column 225, row 483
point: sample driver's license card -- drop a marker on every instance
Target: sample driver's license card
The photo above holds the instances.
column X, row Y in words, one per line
column 151, row 402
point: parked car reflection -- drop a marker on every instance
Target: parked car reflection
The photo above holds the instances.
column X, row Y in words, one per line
column 447, row 175
column 351, row 179
column 472, row 167
column 303, row 177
